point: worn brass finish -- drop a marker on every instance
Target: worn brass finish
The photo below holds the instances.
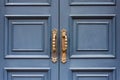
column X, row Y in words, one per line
column 64, row 46
column 54, row 45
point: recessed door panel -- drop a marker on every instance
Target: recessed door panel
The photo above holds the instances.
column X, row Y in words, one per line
column 27, row 35
column 92, row 35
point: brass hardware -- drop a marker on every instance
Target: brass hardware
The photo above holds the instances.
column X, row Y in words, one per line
column 64, row 46
column 54, row 45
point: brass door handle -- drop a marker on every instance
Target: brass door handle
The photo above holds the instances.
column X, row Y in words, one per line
column 54, row 45
column 64, row 45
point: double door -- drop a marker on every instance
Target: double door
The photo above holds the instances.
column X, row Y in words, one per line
column 59, row 40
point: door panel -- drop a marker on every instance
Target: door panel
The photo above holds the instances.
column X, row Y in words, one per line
column 92, row 34
column 25, row 33
column 22, row 37
column 93, row 39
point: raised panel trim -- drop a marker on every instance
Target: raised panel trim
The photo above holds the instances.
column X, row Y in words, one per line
column 92, row 16
column 32, row 23
column 111, row 3
column 7, row 3
column 92, row 22
column 92, row 75
column 27, row 50
column 91, row 68
column 27, row 68
column 27, row 4
column 93, row 56
column 27, row 56
column 107, row 76
column 28, row 16
column 92, row 4
column 27, row 75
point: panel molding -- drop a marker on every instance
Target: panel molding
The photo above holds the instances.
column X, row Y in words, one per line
column 95, row 54
column 111, row 3
column 28, row 16
column 27, row 56
column 108, row 73
column 102, row 56
column 27, row 75
column 107, row 76
column 92, row 22
column 93, row 16
column 92, row 75
column 26, row 72
column 41, row 55
column 32, row 23
column 7, row 3
column 27, row 68
column 27, row 4
column 92, row 68
column 27, row 50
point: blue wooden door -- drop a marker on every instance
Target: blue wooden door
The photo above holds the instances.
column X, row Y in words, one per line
column 86, row 46
column 93, row 39
column 25, row 39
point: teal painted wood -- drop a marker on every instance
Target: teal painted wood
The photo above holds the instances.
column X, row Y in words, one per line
column 93, row 37
column 25, row 39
